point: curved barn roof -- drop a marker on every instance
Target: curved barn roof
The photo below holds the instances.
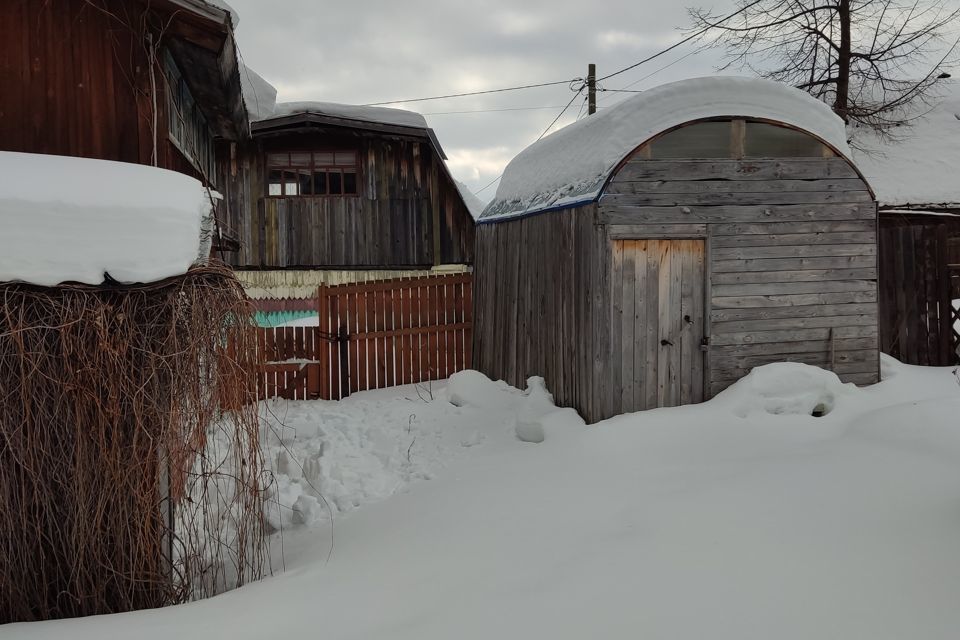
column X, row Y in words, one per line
column 571, row 166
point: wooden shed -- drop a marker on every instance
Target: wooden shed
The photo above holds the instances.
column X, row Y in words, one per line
column 654, row 253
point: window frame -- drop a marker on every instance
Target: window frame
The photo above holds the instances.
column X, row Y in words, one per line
column 738, row 145
column 313, row 167
column 187, row 128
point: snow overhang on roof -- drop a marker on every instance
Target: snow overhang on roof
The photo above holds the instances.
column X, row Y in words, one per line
column 918, row 168
column 571, row 166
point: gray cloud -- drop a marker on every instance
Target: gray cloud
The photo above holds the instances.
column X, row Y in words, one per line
column 376, row 50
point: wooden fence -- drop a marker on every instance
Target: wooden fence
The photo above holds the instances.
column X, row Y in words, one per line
column 372, row 335
column 917, row 289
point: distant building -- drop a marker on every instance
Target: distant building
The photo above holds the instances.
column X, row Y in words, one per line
column 328, row 193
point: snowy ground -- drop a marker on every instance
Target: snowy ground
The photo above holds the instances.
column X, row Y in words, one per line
column 741, row 518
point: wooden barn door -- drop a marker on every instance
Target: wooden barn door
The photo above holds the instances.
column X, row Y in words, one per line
column 658, row 322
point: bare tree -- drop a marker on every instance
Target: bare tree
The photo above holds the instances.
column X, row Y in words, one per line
column 873, row 61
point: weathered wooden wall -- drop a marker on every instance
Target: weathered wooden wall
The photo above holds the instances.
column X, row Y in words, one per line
column 408, row 208
column 76, row 82
column 916, row 316
column 791, row 275
column 541, row 291
column 792, row 257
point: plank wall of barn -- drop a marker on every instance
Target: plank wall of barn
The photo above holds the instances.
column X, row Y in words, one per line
column 791, row 256
column 541, row 303
column 76, row 83
column 390, row 224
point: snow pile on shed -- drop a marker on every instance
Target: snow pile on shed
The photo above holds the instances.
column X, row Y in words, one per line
column 114, row 369
column 918, row 167
column 571, row 166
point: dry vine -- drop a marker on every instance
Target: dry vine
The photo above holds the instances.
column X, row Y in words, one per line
column 123, row 484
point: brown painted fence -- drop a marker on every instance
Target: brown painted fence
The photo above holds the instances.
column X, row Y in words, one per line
column 917, row 289
column 372, row 335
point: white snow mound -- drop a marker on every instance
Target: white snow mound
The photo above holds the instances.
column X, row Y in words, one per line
column 572, row 165
column 787, row 388
column 77, row 220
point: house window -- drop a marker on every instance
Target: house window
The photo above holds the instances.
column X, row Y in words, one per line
column 312, row 173
column 188, row 129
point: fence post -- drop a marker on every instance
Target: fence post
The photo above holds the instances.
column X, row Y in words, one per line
column 343, row 339
column 322, row 341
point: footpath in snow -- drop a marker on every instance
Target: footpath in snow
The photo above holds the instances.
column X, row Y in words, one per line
column 491, row 514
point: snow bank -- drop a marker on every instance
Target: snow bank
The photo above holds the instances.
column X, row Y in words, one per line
column 77, row 220
column 572, row 165
column 338, row 456
column 693, row 522
column 378, row 115
column 920, row 167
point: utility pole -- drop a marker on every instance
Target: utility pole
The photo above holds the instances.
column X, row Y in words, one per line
column 591, row 89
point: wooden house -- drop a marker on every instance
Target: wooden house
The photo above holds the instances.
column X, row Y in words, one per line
column 152, row 82
column 914, row 175
column 654, row 253
column 327, row 194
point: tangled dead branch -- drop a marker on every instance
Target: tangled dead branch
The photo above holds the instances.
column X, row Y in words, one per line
column 123, row 483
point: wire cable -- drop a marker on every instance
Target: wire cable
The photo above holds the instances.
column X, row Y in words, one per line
column 476, row 93
column 550, row 126
column 692, row 36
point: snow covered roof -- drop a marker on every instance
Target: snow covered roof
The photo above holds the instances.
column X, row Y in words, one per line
column 474, row 204
column 920, row 168
column 571, row 166
column 377, row 115
column 259, row 96
column 77, row 219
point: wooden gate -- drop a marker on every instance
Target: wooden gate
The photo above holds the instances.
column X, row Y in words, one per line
column 372, row 335
column 658, row 316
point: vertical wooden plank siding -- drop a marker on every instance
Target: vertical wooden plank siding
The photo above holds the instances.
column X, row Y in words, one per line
column 768, row 258
column 916, row 314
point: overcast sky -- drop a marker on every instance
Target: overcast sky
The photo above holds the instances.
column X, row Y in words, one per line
column 376, row 50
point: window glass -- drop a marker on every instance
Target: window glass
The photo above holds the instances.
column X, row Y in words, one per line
column 313, row 173
column 699, row 140
column 320, row 183
column 350, row 181
column 335, row 183
column 290, row 184
column 345, row 158
column 275, row 183
column 300, row 159
column 771, row 141
column 306, row 182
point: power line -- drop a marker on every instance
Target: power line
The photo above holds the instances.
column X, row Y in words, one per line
column 550, row 126
column 476, row 93
column 445, row 113
column 692, row 36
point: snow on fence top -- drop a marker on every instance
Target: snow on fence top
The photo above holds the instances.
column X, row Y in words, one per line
column 571, row 166
column 918, row 168
column 76, row 220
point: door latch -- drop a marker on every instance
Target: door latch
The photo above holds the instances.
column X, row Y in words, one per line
column 705, row 343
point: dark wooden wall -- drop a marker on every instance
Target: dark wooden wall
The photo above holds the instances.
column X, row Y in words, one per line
column 791, row 274
column 916, row 288
column 540, row 299
column 75, row 82
column 407, row 210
